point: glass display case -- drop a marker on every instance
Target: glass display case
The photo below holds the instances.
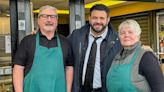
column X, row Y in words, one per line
column 160, row 34
column 160, row 37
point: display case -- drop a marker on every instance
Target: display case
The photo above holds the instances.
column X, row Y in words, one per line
column 160, row 34
column 160, row 37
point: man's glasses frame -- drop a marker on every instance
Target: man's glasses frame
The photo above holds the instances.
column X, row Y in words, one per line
column 46, row 16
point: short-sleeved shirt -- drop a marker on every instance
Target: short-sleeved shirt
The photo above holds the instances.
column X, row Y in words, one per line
column 25, row 53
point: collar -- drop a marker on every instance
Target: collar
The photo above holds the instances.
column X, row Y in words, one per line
column 133, row 46
column 41, row 35
column 127, row 51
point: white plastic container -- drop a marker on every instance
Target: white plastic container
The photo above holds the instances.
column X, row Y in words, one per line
column 5, row 70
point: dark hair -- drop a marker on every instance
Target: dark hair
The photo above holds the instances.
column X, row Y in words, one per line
column 100, row 7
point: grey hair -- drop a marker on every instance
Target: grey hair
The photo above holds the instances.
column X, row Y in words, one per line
column 46, row 7
column 132, row 24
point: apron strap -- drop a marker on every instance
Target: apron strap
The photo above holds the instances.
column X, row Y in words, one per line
column 37, row 40
column 135, row 55
column 58, row 41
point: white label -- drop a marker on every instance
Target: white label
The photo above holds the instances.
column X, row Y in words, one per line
column 8, row 44
column 78, row 24
column 21, row 24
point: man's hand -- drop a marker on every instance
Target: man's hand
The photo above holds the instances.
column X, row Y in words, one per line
column 147, row 48
column 33, row 32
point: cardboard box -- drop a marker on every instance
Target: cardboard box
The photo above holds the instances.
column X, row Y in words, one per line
column 161, row 56
column 162, row 67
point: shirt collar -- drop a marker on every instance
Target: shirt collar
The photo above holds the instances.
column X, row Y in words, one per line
column 41, row 35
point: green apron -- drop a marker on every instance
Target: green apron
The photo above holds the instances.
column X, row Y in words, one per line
column 119, row 77
column 47, row 73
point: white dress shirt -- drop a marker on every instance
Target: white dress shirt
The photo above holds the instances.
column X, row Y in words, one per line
column 97, row 62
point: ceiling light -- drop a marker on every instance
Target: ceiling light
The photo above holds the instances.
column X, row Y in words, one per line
column 8, row 15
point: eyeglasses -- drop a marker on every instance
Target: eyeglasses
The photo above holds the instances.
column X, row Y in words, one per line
column 45, row 16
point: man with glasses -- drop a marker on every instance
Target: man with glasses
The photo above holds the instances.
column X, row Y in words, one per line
column 43, row 62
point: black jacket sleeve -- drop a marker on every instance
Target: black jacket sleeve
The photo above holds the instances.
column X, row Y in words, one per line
column 150, row 68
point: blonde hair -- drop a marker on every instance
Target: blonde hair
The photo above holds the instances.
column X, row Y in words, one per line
column 132, row 24
column 46, row 7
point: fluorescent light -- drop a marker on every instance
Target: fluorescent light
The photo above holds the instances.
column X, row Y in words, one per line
column 7, row 15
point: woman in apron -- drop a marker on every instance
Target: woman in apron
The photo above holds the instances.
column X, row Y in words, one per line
column 133, row 69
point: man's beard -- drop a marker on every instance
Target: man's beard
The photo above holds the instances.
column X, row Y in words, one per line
column 100, row 30
column 49, row 28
